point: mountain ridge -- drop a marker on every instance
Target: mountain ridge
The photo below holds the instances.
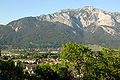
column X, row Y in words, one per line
column 86, row 25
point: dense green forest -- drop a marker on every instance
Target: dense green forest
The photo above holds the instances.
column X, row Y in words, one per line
column 32, row 33
column 78, row 63
column 36, row 34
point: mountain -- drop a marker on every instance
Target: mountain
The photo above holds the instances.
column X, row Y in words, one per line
column 86, row 25
column 34, row 33
column 86, row 17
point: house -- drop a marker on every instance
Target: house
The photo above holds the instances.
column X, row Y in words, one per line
column 30, row 68
column 54, row 52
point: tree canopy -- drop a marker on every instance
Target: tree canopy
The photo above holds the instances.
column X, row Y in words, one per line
column 101, row 65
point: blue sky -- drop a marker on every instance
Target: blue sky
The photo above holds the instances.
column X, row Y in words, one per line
column 15, row 9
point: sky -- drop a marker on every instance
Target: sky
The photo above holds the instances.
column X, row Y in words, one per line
column 14, row 9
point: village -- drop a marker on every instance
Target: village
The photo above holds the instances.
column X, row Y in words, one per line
column 31, row 63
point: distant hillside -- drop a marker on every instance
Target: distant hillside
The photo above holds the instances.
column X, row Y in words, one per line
column 39, row 34
column 86, row 25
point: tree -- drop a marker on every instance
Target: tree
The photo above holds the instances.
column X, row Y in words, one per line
column 77, row 55
column 52, row 72
column 8, row 71
column 62, row 71
column 44, row 72
column 104, row 66
column 110, row 60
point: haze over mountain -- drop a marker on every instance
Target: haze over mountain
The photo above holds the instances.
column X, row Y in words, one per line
column 86, row 25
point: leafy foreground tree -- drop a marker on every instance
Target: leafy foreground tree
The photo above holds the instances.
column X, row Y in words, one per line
column 78, row 56
column 62, row 71
column 8, row 71
column 101, row 65
column 105, row 65
column 52, row 72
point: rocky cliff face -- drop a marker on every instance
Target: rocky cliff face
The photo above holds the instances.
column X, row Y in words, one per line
column 85, row 17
